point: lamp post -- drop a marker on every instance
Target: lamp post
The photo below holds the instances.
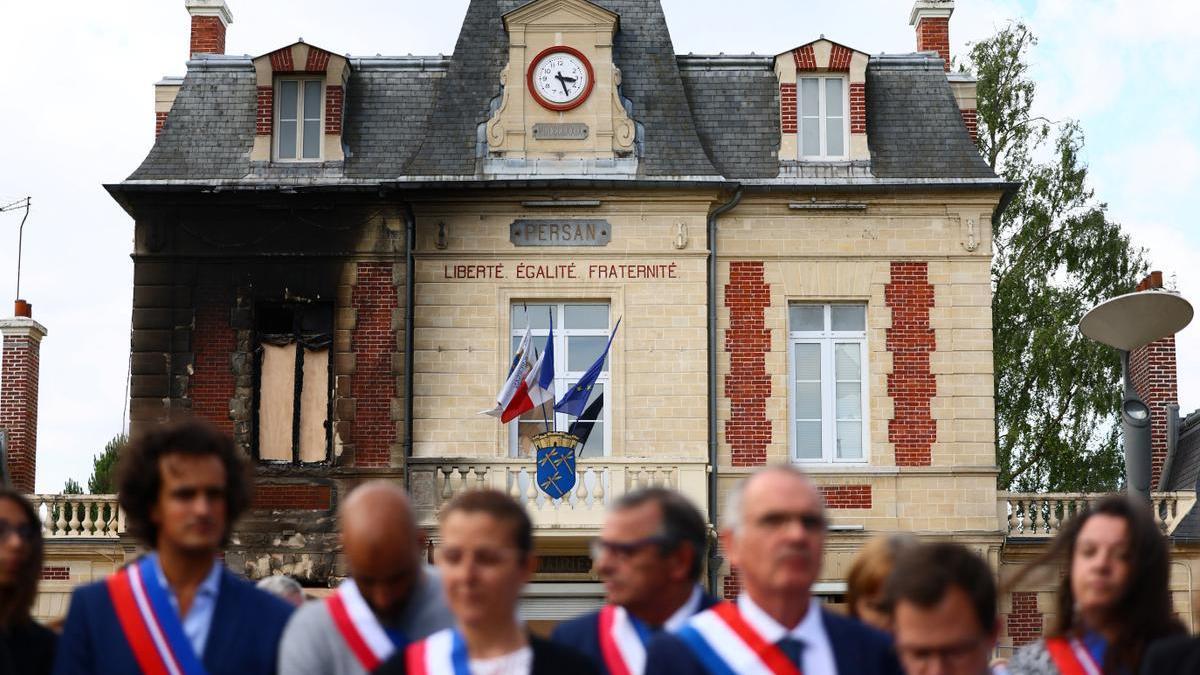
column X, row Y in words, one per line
column 1126, row 323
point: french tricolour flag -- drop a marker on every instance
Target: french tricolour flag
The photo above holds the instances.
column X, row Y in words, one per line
column 521, row 366
column 538, row 385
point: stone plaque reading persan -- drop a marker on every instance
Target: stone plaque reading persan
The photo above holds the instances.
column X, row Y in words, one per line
column 560, row 233
column 543, row 131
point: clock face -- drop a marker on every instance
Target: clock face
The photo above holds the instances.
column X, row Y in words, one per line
column 560, row 78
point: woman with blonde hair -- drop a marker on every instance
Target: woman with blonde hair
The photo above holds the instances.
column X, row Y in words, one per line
column 25, row 646
column 1113, row 600
column 869, row 573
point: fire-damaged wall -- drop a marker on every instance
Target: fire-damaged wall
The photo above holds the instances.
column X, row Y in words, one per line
column 281, row 322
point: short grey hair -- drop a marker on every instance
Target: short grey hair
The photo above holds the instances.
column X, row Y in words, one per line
column 681, row 522
column 731, row 517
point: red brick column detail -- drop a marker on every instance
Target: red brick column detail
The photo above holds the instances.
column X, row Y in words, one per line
column 56, row 573
column 1024, row 623
column 334, row 99
column 846, row 496
column 264, row 115
column 732, row 585
column 858, row 108
column 970, row 118
column 373, row 384
column 1152, row 370
column 933, row 35
column 298, row 496
column 911, row 385
column 19, row 371
column 806, row 60
column 747, row 386
column 839, row 59
column 787, row 108
column 281, row 61
column 213, row 344
column 317, row 61
column 160, row 120
column 208, row 35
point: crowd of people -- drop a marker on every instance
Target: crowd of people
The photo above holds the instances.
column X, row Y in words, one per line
column 913, row 606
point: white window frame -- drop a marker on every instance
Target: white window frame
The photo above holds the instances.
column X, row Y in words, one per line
column 299, row 158
column 822, row 117
column 827, row 338
column 564, row 379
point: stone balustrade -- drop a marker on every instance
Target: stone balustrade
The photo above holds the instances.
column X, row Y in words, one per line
column 79, row 516
column 1041, row 515
column 597, row 483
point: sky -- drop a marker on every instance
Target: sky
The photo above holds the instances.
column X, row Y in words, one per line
column 77, row 110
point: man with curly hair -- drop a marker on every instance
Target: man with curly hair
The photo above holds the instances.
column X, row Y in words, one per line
column 176, row 609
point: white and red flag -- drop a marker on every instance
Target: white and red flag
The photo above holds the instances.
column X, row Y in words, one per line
column 538, row 385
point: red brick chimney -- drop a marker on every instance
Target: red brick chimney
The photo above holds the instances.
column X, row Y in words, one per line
column 19, row 393
column 932, row 20
column 210, row 18
column 1152, row 373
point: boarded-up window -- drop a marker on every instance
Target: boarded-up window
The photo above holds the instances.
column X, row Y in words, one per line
column 293, row 383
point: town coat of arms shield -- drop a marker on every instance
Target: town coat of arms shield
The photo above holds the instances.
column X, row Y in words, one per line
column 555, row 462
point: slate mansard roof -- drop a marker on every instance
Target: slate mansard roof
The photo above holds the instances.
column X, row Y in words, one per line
column 699, row 117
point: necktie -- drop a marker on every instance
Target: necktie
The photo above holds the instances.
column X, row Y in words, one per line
column 792, row 648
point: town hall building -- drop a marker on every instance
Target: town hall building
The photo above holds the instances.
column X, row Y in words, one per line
column 336, row 256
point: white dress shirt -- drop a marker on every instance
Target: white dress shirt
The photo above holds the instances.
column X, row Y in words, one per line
column 817, row 657
column 685, row 611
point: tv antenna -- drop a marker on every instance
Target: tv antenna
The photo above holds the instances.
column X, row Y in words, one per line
column 24, row 203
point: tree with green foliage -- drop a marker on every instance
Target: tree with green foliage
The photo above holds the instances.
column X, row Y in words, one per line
column 72, row 487
column 103, row 465
column 1057, row 254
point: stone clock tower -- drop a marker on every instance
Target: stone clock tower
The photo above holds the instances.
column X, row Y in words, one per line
column 561, row 97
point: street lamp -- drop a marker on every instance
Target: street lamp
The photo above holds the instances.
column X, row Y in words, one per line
column 1126, row 323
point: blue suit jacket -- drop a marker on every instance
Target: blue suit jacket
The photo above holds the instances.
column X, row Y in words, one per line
column 857, row 650
column 244, row 637
column 583, row 633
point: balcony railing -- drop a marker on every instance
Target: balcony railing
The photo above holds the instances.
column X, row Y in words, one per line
column 79, row 516
column 1042, row 515
column 597, row 483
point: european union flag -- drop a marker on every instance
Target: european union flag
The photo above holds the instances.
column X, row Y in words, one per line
column 577, row 397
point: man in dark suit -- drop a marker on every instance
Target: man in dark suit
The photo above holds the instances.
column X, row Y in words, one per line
column 177, row 608
column 1176, row 655
column 649, row 555
column 942, row 600
column 774, row 533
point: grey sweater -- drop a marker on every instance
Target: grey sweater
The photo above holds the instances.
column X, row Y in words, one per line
column 312, row 645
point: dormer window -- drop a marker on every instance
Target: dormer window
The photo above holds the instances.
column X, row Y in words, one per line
column 298, row 126
column 824, row 133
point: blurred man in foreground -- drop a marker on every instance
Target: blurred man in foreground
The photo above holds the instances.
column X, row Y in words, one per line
column 774, row 533
column 650, row 554
column 390, row 599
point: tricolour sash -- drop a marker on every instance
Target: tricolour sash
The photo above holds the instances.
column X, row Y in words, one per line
column 727, row 645
column 443, row 653
column 363, row 633
column 1072, row 657
column 150, row 623
column 622, row 641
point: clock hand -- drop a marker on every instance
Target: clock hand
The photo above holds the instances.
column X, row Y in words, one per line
column 563, row 81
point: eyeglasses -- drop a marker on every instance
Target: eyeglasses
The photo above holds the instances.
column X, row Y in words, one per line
column 623, row 549
column 24, row 531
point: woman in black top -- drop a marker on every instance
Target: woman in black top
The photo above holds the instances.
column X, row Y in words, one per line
column 485, row 559
column 26, row 647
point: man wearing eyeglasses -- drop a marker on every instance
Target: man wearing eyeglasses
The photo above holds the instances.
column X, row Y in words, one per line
column 649, row 555
column 943, row 603
column 774, row 534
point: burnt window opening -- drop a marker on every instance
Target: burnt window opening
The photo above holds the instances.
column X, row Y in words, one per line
column 292, row 388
